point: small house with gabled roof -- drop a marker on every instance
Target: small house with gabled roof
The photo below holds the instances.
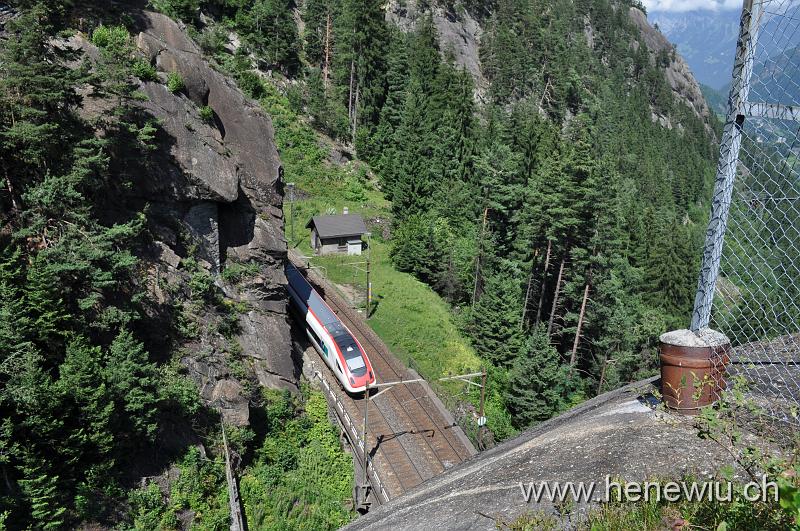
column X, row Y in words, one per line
column 338, row 234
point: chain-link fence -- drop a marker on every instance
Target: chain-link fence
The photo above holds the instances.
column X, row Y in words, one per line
column 749, row 289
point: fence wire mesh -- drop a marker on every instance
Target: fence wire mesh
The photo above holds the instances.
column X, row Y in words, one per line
column 750, row 288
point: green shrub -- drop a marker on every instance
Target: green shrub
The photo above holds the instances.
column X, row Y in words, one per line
column 177, row 391
column 251, row 84
column 295, row 96
column 200, row 488
column 301, row 478
column 110, row 37
column 202, row 286
column 144, row 70
column 354, row 190
column 186, row 10
column 236, row 271
column 146, row 507
column 175, row 82
column 213, row 39
column 207, row 114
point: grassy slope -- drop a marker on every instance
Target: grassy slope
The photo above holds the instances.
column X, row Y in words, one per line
column 409, row 316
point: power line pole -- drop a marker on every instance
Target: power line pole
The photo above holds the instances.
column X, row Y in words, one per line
column 481, row 417
column 369, row 272
column 364, row 483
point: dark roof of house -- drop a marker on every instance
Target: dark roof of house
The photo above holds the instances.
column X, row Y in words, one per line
column 338, row 226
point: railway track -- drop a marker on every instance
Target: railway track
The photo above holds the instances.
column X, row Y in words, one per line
column 409, row 438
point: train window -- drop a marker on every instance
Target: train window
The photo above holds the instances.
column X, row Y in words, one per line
column 352, row 354
column 338, row 367
column 315, row 337
column 356, row 365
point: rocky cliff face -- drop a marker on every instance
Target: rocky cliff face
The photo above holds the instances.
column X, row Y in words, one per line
column 460, row 37
column 214, row 193
column 679, row 75
column 459, row 34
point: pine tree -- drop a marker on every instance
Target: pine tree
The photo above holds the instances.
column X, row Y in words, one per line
column 384, row 150
column 454, row 155
column 81, row 388
column 670, row 273
column 42, row 493
column 272, row 29
column 316, row 15
column 414, row 248
column 132, row 379
column 415, row 182
column 186, row 10
column 37, row 97
column 494, row 327
column 361, row 42
column 497, row 170
column 536, row 382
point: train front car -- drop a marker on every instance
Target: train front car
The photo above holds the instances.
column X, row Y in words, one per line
column 337, row 346
column 358, row 371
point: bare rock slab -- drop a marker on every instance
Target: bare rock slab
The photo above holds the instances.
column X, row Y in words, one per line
column 616, row 435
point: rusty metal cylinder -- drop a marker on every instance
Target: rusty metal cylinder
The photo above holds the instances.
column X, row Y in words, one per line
column 693, row 369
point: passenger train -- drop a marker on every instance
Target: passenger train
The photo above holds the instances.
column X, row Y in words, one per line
column 335, row 343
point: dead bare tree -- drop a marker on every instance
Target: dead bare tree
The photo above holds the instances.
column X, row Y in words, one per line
column 573, row 357
column 557, row 293
column 326, row 64
column 544, row 282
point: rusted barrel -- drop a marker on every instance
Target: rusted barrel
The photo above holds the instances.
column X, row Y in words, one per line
column 693, row 367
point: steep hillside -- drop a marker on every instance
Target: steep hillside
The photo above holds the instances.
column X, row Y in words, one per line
column 460, row 35
column 542, row 166
column 141, row 262
column 678, row 74
column 707, row 39
column 541, row 161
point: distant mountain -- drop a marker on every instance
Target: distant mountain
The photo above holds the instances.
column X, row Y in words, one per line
column 706, row 39
column 717, row 100
column 776, row 79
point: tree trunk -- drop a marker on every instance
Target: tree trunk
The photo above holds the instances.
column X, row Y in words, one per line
column 528, row 290
column 326, row 64
column 544, row 282
column 555, row 297
column 355, row 113
column 350, row 94
column 602, row 375
column 573, row 357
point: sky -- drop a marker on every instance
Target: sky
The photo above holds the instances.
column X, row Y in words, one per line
column 677, row 6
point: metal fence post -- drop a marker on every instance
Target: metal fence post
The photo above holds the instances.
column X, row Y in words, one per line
column 726, row 170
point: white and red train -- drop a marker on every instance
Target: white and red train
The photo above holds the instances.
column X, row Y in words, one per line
column 333, row 340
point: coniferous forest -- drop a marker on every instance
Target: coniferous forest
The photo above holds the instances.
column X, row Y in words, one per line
column 556, row 191
column 545, row 201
